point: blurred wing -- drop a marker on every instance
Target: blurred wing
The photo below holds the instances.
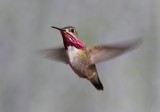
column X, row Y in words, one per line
column 58, row 54
column 105, row 52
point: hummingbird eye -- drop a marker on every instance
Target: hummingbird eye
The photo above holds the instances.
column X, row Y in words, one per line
column 72, row 30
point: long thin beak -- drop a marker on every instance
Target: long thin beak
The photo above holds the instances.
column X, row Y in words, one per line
column 60, row 29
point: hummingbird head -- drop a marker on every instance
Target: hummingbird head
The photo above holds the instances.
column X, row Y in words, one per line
column 70, row 34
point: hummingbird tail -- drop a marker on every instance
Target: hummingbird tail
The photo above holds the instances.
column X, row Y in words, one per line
column 97, row 84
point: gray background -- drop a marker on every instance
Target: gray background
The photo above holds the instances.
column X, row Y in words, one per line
column 31, row 83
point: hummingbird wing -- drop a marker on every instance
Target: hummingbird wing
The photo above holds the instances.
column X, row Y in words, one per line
column 58, row 54
column 101, row 53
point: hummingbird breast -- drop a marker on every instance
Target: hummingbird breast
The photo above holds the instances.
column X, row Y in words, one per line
column 79, row 61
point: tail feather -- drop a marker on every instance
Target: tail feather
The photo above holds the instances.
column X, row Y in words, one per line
column 97, row 83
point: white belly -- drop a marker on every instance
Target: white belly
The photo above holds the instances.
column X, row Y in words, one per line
column 76, row 62
column 72, row 52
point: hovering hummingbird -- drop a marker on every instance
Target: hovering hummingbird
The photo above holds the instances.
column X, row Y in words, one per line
column 82, row 59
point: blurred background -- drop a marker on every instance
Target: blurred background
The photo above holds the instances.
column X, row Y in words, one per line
column 31, row 83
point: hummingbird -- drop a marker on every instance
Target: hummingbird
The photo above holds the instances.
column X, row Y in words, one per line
column 82, row 58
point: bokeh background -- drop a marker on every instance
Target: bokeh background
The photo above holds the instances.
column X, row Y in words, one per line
column 31, row 83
